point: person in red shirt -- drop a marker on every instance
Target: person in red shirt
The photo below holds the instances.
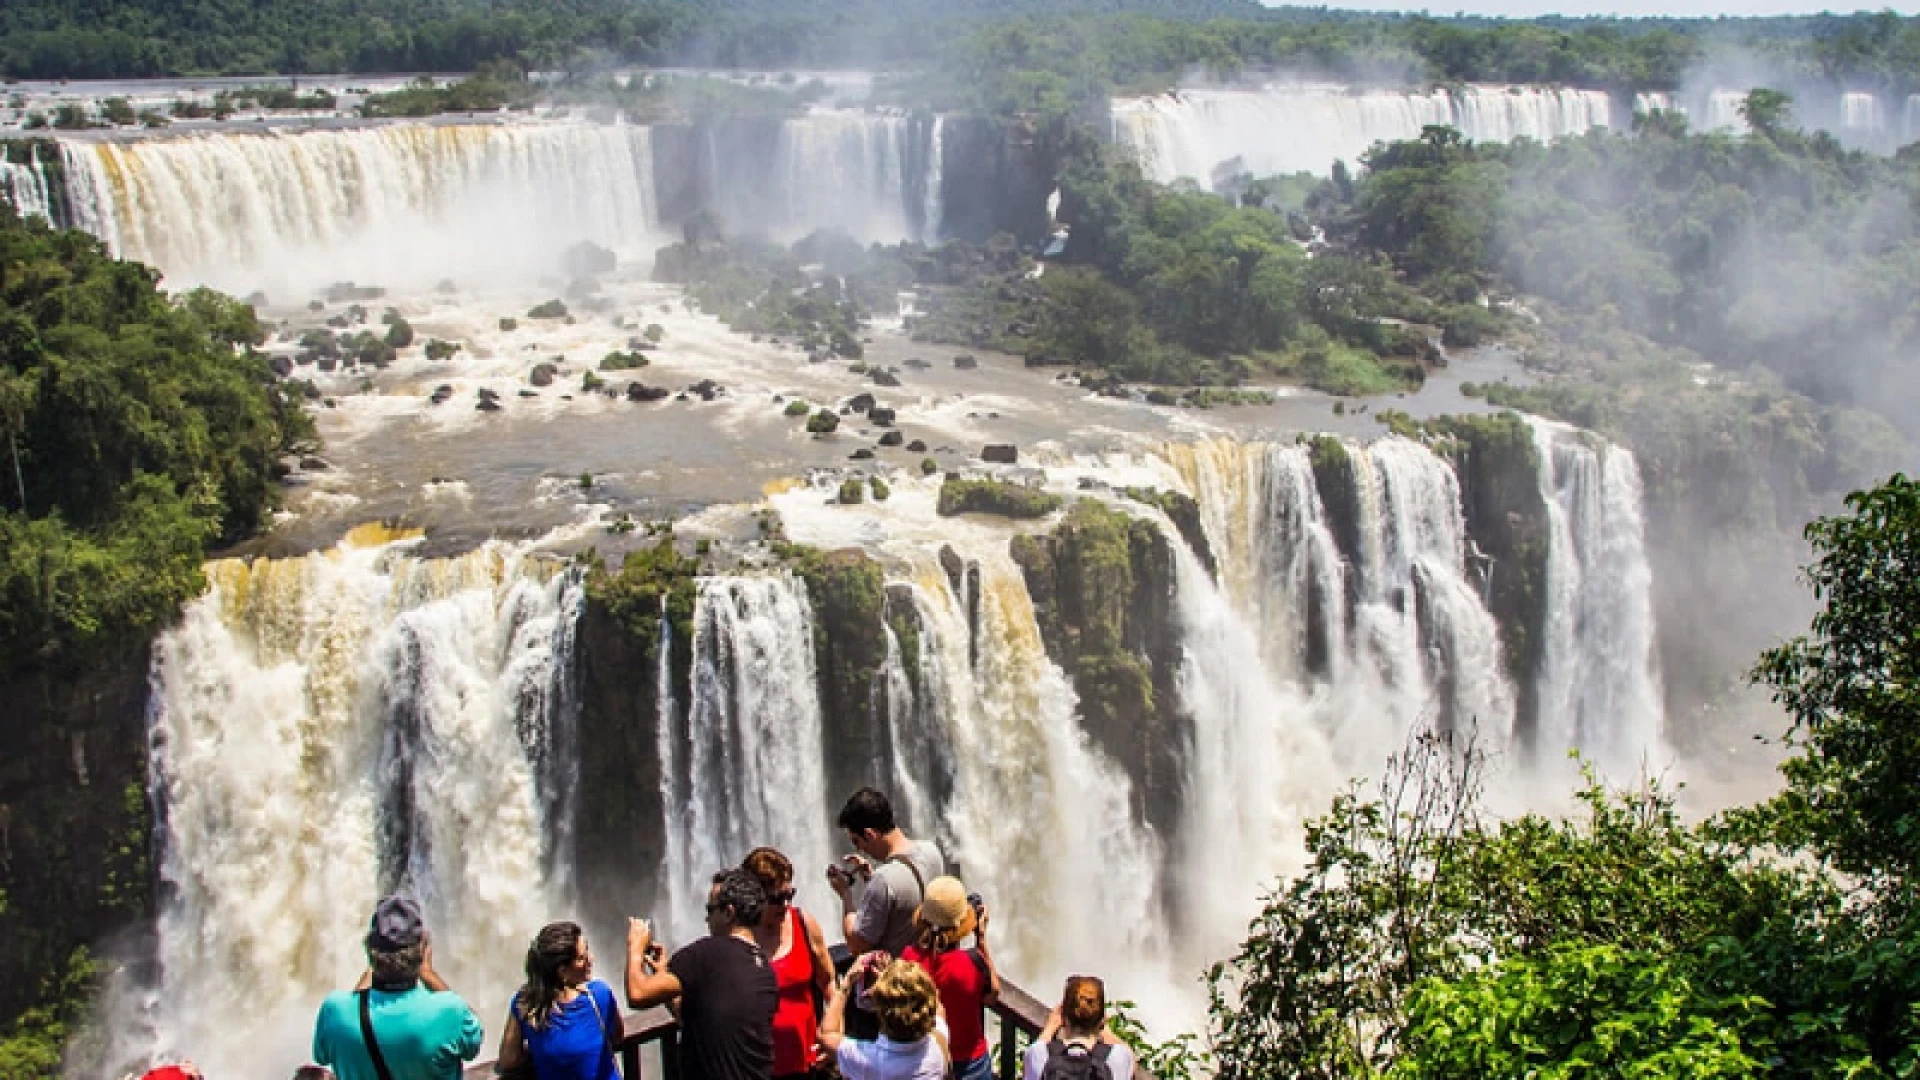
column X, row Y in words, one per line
column 966, row 978
column 802, row 967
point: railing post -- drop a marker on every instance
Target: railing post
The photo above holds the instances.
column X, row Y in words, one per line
column 630, row 1061
column 670, row 1056
column 1009, row 1049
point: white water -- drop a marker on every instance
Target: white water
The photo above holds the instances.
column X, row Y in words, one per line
column 745, row 770
column 331, row 727
column 407, row 204
column 1285, row 128
column 25, row 186
column 1599, row 688
column 934, row 212
column 827, row 168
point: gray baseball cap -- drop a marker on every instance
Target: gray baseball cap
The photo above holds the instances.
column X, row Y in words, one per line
column 396, row 924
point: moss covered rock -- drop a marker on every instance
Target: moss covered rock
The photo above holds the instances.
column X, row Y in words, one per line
column 963, row 496
column 847, row 590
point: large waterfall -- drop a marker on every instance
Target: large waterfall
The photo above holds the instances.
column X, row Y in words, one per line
column 1305, row 128
column 412, row 202
column 24, row 184
column 330, row 726
column 876, row 175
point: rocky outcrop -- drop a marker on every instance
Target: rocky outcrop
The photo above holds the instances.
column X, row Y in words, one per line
column 848, row 592
column 1103, row 592
column 620, row 842
column 76, row 852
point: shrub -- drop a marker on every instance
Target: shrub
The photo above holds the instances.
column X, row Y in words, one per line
column 824, row 422
column 797, row 407
column 958, row 496
column 852, row 491
column 552, row 309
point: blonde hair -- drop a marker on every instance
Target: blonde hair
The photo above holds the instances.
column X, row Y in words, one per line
column 905, row 999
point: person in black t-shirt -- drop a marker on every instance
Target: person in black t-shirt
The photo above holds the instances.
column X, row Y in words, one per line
column 721, row 986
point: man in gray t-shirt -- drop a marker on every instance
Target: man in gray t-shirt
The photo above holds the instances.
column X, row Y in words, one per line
column 896, row 869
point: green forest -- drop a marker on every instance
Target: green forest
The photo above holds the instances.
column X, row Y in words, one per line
column 983, row 52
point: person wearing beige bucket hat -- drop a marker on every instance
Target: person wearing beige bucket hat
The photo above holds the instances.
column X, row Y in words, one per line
column 965, row 978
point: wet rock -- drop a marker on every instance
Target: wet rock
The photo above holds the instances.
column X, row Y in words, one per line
column 956, row 569
column 860, row 402
column 313, row 463
column 440, row 394
column 529, row 393
column 485, row 394
column 917, row 446
column 883, row 377
column 488, row 405
column 862, row 454
column 327, row 363
column 543, row 374
column 305, row 357
column 641, row 392
column 1000, row 453
column 706, row 389
column 282, row 365
column 965, row 363
column 881, row 417
column 916, row 364
column 892, row 438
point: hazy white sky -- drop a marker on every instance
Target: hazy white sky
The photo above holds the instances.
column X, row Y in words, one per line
column 1685, row 8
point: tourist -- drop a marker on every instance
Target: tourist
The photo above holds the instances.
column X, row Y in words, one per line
column 1075, row 1044
column 909, row 1047
column 401, row 1022
column 565, row 1021
column 725, row 991
column 313, row 1072
column 802, row 967
column 966, row 978
column 895, row 868
column 185, row 1070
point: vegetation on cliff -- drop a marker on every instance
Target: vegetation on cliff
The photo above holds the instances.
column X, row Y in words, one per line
column 139, row 429
column 652, row 583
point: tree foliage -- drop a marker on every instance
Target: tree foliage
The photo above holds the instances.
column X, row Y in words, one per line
column 138, row 429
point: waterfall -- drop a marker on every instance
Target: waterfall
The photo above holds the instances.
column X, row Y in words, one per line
column 747, row 770
column 935, row 209
column 1041, row 820
column 1598, row 687
column 827, row 168
column 393, row 204
column 25, row 186
column 331, row 727
column 1305, row 128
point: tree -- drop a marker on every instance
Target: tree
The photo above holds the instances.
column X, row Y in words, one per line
column 1767, row 112
column 1852, row 688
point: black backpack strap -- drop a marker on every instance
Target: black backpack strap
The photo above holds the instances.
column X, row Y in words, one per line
column 366, row 1032
column 1101, row 1048
column 980, row 965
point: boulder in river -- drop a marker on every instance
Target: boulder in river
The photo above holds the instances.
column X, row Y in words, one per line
column 543, row 374
column 862, row 454
column 860, row 402
column 1000, row 453
column 917, row 446
column 892, row 438
column 641, row 392
column 883, row 377
column 880, row 416
column 965, row 363
column 488, row 405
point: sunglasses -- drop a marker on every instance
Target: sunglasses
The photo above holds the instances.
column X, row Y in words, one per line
column 784, row 896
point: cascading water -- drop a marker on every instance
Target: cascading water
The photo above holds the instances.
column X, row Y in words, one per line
column 875, row 175
column 330, row 727
column 935, row 209
column 25, row 186
column 1598, row 688
column 746, row 768
column 1303, row 128
column 418, row 201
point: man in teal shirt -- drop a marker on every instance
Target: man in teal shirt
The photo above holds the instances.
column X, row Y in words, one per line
column 422, row 1030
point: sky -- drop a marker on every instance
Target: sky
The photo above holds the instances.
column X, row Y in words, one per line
column 1637, row 8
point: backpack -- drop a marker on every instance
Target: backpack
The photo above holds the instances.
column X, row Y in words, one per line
column 1072, row 1061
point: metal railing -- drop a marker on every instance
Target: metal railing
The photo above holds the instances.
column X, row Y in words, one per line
column 1020, row 1016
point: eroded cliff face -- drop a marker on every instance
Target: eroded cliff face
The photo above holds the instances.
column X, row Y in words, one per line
column 847, row 590
column 998, row 174
column 1103, row 590
column 76, row 829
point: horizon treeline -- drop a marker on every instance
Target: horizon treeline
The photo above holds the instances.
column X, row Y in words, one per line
column 1088, row 47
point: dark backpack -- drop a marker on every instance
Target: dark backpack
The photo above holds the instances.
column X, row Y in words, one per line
column 1071, row 1061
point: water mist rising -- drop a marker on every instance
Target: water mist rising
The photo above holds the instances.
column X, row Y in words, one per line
column 335, row 726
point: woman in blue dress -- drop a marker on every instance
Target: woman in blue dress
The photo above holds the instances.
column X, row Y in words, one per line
column 564, row 1022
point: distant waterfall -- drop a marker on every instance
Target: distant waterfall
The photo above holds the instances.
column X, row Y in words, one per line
column 25, row 186
column 747, row 768
column 390, row 204
column 332, row 727
column 1304, row 128
column 1599, row 691
column 933, row 213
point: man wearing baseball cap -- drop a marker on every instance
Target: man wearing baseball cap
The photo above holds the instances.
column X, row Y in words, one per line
column 401, row 1022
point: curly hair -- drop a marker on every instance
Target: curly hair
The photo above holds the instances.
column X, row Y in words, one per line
column 1084, row 1004
column 906, row 1000
column 741, row 892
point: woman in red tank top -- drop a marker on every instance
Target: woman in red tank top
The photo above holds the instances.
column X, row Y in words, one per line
column 802, row 968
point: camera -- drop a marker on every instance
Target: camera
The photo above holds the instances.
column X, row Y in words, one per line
column 976, row 903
